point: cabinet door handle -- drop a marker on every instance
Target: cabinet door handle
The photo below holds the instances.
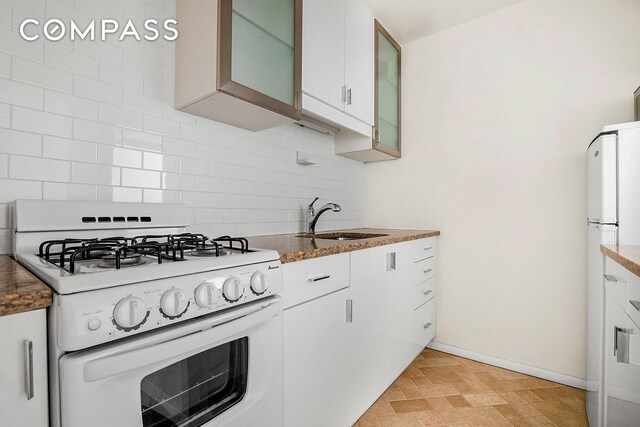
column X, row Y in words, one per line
column 378, row 135
column 343, row 94
column 350, row 311
column 391, row 261
column 319, row 278
column 429, row 248
column 621, row 344
column 349, row 96
column 28, row 368
column 614, row 279
column 427, row 292
column 427, row 325
column 428, row 270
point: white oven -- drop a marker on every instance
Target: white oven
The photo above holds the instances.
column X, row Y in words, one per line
column 221, row 370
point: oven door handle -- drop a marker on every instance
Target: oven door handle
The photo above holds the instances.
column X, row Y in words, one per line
column 211, row 331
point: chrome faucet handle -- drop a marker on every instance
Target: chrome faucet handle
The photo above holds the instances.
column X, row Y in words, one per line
column 311, row 204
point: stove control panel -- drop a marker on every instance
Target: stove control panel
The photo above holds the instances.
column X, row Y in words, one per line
column 86, row 319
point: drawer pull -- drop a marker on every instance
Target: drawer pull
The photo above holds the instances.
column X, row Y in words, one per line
column 28, row 368
column 426, row 325
column 427, row 292
column 614, row 279
column 428, row 270
column 429, row 248
column 635, row 304
column 319, row 278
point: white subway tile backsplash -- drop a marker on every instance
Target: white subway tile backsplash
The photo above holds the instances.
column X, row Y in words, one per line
column 34, row 7
column 70, row 105
column 194, row 133
column 160, row 162
column 100, row 50
column 120, row 194
column 142, row 65
column 13, row 44
column 161, row 126
column 89, row 120
column 143, row 103
column 69, row 149
column 6, row 13
column 117, row 76
column 97, row 132
column 60, row 191
column 10, row 190
column 86, row 173
column 5, row 65
column 5, row 115
column 121, row 117
column 116, row 156
column 35, row 168
column 141, row 140
column 41, row 75
column 4, row 168
column 23, row 143
column 41, row 122
column 22, row 94
column 68, row 60
column 96, row 90
column 141, row 178
column 195, row 167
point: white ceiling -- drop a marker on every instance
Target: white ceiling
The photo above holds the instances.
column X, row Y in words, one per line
column 409, row 20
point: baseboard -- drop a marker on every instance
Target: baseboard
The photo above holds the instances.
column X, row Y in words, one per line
column 512, row 366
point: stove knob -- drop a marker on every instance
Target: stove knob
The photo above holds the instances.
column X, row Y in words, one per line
column 259, row 283
column 129, row 312
column 205, row 295
column 232, row 289
column 173, row 303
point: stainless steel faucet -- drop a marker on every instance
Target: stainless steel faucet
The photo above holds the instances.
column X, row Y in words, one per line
column 313, row 216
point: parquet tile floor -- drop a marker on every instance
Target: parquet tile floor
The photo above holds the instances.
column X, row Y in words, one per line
column 439, row 389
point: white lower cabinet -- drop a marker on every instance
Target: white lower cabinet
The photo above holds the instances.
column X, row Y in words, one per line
column 369, row 330
column 343, row 348
column 23, row 370
column 316, row 362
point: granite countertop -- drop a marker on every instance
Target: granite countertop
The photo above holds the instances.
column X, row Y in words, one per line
column 292, row 248
column 20, row 291
column 627, row 256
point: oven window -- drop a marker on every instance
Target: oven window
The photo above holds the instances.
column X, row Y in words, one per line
column 193, row 391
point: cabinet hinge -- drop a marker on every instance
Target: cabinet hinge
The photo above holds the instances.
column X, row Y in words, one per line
column 350, row 310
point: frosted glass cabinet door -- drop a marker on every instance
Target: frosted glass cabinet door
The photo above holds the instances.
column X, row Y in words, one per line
column 387, row 116
column 260, row 52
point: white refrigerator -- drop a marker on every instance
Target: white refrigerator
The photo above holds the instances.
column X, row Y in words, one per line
column 613, row 218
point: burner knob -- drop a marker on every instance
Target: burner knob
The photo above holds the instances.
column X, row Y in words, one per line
column 259, row 283
column 129, row 312
column 173, row 303
column 205, row 295
column 232, row 289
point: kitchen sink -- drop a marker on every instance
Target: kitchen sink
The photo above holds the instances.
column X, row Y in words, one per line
column 342, row 236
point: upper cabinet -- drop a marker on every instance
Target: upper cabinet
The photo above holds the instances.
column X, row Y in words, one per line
column 337, row 57
column 385, row 142
column 239, row 61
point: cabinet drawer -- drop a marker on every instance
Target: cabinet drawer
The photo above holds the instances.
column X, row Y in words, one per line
column 421, row 249
column 421, row 270
column 633, row 306
column 616, row 281
column 312, row 278
column 425, row 322
column 422, row 293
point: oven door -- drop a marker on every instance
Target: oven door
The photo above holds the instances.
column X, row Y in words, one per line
column 222, row 370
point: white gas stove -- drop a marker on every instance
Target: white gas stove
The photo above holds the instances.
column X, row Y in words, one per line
column 125, row 270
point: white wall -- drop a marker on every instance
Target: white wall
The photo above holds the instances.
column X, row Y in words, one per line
column 94, row 121
column 498, row 114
